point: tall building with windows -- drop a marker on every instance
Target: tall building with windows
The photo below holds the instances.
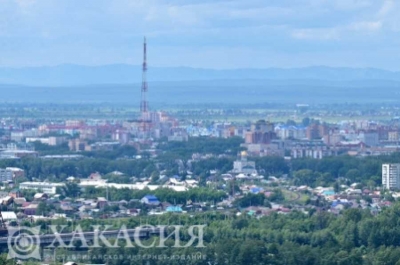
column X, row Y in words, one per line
column 391, row 176
column 6, row 175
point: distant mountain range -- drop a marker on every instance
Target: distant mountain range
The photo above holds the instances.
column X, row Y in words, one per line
column 77, row 75
column 182, row 85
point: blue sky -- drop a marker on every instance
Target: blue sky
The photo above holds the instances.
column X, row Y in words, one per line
column 216, row 34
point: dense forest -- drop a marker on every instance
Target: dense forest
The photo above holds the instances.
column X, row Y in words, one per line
column 355, row 237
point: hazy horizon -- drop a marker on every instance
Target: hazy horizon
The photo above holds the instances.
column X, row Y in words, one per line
column 80, row 75
column 201, row 68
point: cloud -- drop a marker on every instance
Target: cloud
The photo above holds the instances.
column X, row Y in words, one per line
column 386, row 8
column 351, row 4
column 366, row 26
column 260, row 13
column 389, row 14
column 316, row 34
column 173, row 16
column 336, row 33
column 102, row 31
column 341, row 5
column 25, row 3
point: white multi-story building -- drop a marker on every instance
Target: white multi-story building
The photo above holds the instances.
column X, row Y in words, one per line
column 391, row 176
column 6, row 175
column 37, row 139
column 45, row 187
column 16, row 172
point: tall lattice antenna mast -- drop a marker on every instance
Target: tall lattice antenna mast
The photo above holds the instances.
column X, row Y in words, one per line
column 144, row 108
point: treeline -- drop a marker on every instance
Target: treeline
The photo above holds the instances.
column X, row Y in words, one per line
column 117, row 152
column 124, row 151
column 46, row 149
column 356, row 237
column 271, row 166
column 367, row 170
column 163, row 194
column 203, row 167
column 58, row 169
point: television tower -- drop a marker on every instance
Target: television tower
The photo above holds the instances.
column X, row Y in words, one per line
column 144, row 105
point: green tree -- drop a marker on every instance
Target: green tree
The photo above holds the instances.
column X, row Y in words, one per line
column 70, row 189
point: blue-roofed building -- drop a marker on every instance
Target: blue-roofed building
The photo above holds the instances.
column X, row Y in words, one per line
column 179, row 178
column 173, row 209
column 251, row 212
column 328, row 192
column 150, row 200
column 256, row 190
column 338, row 202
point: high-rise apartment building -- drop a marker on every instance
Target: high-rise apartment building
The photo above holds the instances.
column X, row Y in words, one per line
column 391, row 176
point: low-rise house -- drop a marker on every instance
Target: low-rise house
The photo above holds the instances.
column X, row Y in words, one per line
column 337, row 208
column 283, row 210
column 9, row 216
column 66, row 208
column 71, row 179
column 150, row 200
column 31, row 209
column 122, row 202
column 164, row 205
column 116, row 173
column 19, row 201
column 6, row 200
column 95, row 176
column 84, row 215
column 59, row 216
column 256, row 190
column 101, row 202
column 25, row 204
column 89, row 202
column 155, row 212
column 366, row 191
column 225, row 203
column 133, row 212
column 354, row 191
column 174, row 209
column 40, row 197
column 15, row 193
column 197, row 207
column 327, row 193
column 191, row 183
column 86, row 208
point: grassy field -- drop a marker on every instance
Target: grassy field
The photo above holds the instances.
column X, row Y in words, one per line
column 290, row 195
